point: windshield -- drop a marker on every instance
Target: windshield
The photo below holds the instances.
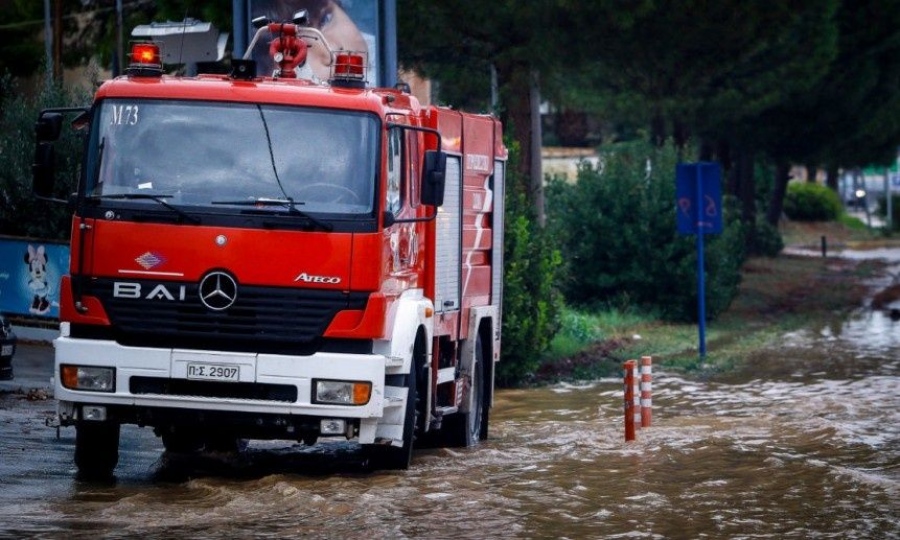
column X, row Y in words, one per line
column 226, row 154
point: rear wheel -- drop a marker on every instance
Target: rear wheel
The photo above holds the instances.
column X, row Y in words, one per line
column 96, row 449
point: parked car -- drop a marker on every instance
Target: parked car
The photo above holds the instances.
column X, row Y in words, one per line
column 7, row 348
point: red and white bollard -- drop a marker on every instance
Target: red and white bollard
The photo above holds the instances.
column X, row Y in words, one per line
column 636, row 394
column 628, row 373
column 646, row 390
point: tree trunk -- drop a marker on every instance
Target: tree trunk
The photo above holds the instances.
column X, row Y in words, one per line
column 831, row 179
column 776, row 203
column 536, row 169
column 523, row 119
column 745, row 185
column 658, row 129
column 682, row 134
column 726, row 158
column 812, row 173
column 517, row 119
column 57, row 42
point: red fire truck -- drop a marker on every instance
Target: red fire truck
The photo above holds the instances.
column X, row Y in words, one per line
column 275, row 258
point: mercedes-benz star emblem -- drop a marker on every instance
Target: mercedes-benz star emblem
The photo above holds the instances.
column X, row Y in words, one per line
column 218, row 291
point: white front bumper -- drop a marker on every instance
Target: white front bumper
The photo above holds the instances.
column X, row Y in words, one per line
column 298, row 371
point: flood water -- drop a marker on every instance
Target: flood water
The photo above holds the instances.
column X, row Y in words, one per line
column 804, row 443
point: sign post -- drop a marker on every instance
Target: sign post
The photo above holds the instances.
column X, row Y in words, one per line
column 698, row 193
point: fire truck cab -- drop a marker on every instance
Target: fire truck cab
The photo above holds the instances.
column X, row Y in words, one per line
column 269, row 257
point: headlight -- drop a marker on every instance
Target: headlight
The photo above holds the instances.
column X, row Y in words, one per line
column 93, row 378
column 342, row 392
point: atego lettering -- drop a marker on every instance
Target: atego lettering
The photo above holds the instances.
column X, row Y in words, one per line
column 306, row 278
column 127, row 289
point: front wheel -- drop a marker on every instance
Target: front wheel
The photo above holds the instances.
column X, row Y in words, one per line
column 96, row 449
column 400, row 458
column 466, row 429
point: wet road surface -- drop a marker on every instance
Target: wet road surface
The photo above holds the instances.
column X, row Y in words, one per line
column 804, row 443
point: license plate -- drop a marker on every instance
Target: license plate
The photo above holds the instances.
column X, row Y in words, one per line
column 7, row 350
column 213, row 372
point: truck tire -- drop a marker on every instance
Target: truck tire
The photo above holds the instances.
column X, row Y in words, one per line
column 96, row 449
column 394, row 458
column 462, row 430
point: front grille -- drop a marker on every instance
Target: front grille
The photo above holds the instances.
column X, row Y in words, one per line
column 212, row 389
column 262, row 319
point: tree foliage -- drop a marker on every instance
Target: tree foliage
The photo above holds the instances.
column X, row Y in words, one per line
column 21, row 52
column 21, row 214
column 846, row 119
column 461, row 43
column 89, row 28
column 702, row 66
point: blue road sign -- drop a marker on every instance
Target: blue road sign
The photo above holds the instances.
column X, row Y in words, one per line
column 698, row 196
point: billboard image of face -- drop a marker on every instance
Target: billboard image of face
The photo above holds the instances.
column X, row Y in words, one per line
column 349, row 25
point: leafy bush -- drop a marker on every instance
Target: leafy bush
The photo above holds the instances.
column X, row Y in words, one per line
column 805, row 201
column 617, row 230
column 21, row 214
column 531, row 300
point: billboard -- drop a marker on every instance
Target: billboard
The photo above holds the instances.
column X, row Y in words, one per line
column 30, row 271
column 353, row 25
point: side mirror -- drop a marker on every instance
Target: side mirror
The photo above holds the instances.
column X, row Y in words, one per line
column 48, row 126
column 434, row 178
column 43, row 170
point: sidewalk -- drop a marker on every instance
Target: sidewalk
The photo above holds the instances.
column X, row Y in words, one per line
column 32, row 367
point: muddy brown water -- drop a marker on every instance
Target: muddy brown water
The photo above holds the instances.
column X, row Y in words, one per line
column 804, row 443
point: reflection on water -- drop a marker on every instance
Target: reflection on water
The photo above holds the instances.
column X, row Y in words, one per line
column 804, row 443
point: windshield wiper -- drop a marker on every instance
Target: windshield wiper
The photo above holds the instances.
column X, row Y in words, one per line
column 288, row 203
column 160, row 198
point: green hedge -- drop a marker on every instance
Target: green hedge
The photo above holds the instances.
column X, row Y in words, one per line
column 805, row 201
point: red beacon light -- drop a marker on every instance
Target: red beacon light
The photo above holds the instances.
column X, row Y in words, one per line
column 349, row 70
column 145, row 60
